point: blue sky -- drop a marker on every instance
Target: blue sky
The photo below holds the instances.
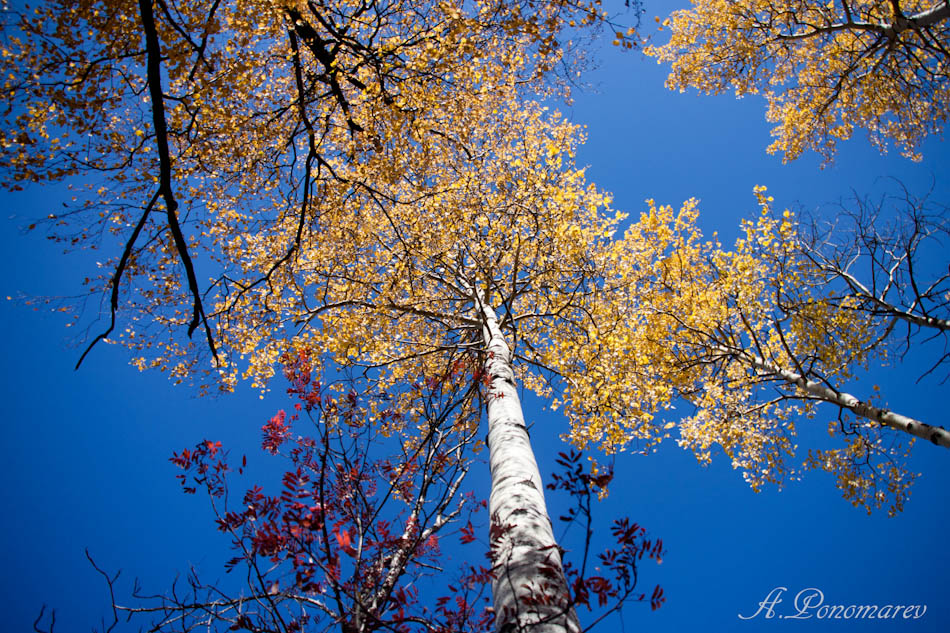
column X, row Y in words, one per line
column 86, row 452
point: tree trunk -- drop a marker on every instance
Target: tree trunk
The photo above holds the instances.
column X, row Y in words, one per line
column 529, row 590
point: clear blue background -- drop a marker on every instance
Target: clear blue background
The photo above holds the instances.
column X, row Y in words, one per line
column 85, row 453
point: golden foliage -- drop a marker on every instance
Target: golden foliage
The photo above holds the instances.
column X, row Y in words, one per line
column 275, row 112
column 825, row 68
column 683, row 318
column 360, row 178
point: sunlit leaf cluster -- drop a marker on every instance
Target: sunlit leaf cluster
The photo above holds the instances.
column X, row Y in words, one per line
column 827, row 69
column 275, row 112
column 725, row 334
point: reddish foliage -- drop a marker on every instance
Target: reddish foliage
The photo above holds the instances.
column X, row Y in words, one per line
column 358, row 523
column 276, row 432
column 349, row 521
column 620, row 560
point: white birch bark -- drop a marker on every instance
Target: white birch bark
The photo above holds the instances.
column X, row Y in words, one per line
column 889, row 309
column 936, row 434
column 525, row 557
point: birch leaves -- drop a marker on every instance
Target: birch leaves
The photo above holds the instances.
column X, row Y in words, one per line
column 751, row 341
column 826, row 69
column 359, row 178
column 264, row 107
column 496, row 214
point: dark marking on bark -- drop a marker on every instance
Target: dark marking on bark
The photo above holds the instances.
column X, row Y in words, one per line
column 529, row 483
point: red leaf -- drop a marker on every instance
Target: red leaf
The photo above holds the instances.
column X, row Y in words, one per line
column 343, row 538
column 468, row 534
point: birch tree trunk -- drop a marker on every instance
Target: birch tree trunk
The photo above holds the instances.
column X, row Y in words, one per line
column 529, row 589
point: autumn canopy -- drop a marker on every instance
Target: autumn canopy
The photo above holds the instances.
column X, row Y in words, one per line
column 376, row 186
